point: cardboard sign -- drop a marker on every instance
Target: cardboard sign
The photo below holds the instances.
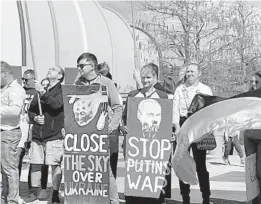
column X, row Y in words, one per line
column 86, row 158
column 252, row 183
column 147, row 146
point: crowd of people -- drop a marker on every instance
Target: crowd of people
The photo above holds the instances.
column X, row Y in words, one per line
column 32, row 119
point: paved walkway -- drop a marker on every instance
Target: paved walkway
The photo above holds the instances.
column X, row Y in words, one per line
column 227, row 182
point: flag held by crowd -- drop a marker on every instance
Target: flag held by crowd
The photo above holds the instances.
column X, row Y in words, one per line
column 240, row 112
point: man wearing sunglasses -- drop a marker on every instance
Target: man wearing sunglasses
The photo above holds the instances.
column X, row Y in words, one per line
column 87, row 66
column 28, row 79
column 25, row 142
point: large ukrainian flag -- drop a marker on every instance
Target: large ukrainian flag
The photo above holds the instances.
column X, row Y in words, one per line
column 240, row 112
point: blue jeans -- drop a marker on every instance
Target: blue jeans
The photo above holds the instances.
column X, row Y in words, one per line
column 9, row 165
column 252, row 142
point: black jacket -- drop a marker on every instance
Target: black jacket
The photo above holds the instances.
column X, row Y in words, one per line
column 52, row 107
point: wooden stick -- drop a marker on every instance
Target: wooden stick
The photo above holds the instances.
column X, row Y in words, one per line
column 39, row 104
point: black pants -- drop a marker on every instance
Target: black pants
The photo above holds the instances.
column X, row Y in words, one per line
column 201, row 168
column 203, row 175
column 44, row 172
column 113, row 163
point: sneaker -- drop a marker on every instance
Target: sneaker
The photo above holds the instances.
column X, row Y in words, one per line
column 226, row 160
column 20, row 200
column 43, row 194
column 31, row 198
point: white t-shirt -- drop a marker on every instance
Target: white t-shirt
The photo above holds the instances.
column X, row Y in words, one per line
column 183, row 97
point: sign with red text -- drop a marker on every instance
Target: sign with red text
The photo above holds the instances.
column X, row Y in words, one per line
column 148, row 146
column 86, row 157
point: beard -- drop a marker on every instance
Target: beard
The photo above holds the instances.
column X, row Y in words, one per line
column 149, row 131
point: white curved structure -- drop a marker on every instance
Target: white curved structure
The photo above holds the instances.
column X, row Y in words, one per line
column 123, row 47
column 40, row 34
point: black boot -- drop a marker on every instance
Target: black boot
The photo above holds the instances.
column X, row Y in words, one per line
column 55, row 197
column 206, row 200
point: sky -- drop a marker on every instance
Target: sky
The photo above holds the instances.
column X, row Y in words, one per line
column 124, row 7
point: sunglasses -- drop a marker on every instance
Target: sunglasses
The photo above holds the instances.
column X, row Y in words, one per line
column 254, row 81
column 81, row 66
column 26, row 80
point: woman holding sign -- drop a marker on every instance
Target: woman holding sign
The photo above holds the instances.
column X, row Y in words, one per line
column 149, row 77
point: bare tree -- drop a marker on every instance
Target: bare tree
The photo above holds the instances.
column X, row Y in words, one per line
column 217, row 34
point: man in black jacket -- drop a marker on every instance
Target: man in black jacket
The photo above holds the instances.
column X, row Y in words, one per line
column 47, row 141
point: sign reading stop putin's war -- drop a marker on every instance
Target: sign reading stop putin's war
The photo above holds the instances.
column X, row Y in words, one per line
column 148, row 146
column 86, row 158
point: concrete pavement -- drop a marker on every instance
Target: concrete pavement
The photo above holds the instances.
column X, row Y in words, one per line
column 227, row 182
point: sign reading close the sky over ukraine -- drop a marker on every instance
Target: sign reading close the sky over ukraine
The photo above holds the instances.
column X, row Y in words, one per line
column 86, row 158
column 147, row 146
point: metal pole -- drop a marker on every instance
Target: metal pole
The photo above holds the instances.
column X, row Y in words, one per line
column 134, row 38
column 32, row 52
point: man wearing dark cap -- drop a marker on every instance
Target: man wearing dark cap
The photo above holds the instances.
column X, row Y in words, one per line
column 12, row 101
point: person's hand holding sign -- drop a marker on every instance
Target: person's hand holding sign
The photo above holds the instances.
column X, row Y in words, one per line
column 176, row 128
column 111, row 128
column 173, row 138
column 124, row 130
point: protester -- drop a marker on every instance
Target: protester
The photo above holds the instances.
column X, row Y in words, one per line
column 47, row 141
column 169, row 85
column 149, row 77
column 252, row 138
column 229, row 141
column 183, row 97
column 12, row 102
column 87, row 66
column 28, row 81
column 104, row 70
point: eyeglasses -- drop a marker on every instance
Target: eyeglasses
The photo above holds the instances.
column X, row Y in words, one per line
column 81, row 66
column 26, row 80
column 254, row 81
